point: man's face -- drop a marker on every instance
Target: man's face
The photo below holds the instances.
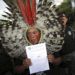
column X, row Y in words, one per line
column 33, row 35
column 63, row 20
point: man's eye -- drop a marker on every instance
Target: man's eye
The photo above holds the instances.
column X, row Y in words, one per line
column 34, row 32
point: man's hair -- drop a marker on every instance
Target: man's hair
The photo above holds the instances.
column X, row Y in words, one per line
column 61, row 14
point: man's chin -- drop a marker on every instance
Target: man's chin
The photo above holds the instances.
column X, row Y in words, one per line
column 34, row 42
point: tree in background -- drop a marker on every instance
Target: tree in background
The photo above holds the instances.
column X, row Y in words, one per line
column 66, row 7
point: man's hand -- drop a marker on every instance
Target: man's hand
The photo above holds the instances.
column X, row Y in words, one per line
column 27, row 62
column 51, row 58
column 54, row 60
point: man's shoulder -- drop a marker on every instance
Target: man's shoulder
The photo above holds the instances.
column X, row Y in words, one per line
column 69, row 31
column 69, row 28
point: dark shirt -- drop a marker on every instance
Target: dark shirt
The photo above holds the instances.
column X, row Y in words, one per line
column 69, row 43
column 5, row 62
column 54, row 69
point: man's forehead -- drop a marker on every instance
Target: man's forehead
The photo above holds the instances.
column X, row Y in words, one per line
column 32, row 29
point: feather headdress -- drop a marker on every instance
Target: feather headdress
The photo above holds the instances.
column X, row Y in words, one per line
column 26, row 13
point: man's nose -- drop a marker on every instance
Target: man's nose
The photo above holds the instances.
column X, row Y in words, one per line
column 33, row 35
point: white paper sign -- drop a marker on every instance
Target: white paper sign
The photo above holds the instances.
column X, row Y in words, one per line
column 38, row 55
